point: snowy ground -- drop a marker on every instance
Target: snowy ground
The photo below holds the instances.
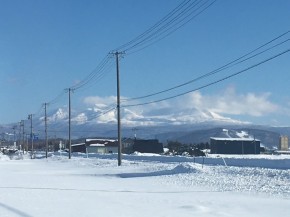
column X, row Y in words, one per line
column 145, row 185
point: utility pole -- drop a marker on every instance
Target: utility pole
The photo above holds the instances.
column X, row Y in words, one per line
column 69, row 121
column 46, row 140
column 31, row 135
column 117, row 54
column 23, row 141
column 135, row 132
column 19, row 135
column 14, row 131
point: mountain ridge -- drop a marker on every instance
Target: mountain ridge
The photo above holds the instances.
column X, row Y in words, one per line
column 186, row 126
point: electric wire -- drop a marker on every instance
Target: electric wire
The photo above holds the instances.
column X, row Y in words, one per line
column 166, row 35
column 101, row 114
column 96, row 115
column 99, row 72
column 100, row 76
column 171, row 22
column 92, row 75
column 161, row 25
column 226, row 66
column 185, row 2
column 211, row 83
column 105, row 111
column 164, row 31
column 103, row 63
column 57, row 98
column 170, row 19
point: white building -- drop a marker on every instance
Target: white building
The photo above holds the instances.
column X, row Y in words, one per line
column 102, row 146
column 283, row 143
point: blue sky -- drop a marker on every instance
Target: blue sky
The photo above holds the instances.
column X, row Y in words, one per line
column 48, row 46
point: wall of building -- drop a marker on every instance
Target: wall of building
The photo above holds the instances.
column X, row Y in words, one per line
column 283, row 143
column 148, row 146
column 234, row 146
column 102, row 149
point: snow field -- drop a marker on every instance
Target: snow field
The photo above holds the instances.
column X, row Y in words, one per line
column 142, row 186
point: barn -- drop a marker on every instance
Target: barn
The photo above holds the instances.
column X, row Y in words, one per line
column 234, row 146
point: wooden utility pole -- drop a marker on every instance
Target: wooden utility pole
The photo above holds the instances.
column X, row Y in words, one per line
column 117, row 54
column 69, row 122
column 19, row 137
column 23, row 140
column 14, row 132
column 46, row 140
column 31, row 135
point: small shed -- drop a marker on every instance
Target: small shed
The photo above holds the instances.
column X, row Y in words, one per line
column 234, row 146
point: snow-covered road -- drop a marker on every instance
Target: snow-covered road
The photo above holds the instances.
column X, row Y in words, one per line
column 98, row 187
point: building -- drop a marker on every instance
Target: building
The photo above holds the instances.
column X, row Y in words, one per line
column 234, row 146
column 283, row 143
column 148, row 146
column 81, row 147
column 102, row 146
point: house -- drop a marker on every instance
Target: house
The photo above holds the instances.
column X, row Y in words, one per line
column 234, row 146
column 101, row 146
column 148, row 146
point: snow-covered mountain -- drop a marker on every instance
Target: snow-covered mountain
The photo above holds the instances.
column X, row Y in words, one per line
column 187, row 125
column 134, row 117
column 98, row 120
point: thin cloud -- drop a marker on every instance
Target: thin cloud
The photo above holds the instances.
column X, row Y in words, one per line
column 97, row 100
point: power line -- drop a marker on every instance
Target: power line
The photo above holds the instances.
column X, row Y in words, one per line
column 99, row 114
column 57, row 98
column 181, row 10
column 167, row 30
column 93, row 74
column 211, row 83
column 97, row 79
column 154, row 26
column 226, row 66
column 170, row 19
column 102, row 114
column 162, row 24
column 173, row 21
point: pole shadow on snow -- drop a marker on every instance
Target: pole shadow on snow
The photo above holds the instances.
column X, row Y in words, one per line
column 180, row 169
column 22, row 214
column 150, row 174
column 14, row 210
